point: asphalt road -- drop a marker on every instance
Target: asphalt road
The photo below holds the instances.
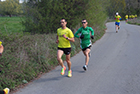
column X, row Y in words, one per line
column 114, row 67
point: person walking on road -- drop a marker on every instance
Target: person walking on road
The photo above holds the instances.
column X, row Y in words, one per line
column 117, row 23
column 6, row 90
column 85, row 33
column 64, row 36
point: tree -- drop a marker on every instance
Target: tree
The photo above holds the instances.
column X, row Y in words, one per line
column 10, row 7
column 43, row 16
column 132, row 6
column 116, row 6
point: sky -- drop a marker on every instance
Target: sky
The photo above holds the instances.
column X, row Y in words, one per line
column 20, row 1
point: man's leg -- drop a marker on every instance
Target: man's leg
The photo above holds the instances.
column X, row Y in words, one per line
column 68, row 61
column 86, row 53
column 59, row 55
column 69, row 65
column 116, row 28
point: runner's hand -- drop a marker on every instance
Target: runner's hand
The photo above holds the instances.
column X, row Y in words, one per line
column 92, row 37
column 82, row 36
column 64, row 36
column 57, row 41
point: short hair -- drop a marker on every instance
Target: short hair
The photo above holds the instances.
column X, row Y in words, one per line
column 84, row 19
column 63, row 19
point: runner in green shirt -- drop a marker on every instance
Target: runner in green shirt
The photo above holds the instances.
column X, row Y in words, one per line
column 85, row 33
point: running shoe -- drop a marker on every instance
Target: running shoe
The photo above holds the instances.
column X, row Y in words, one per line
column 85, row 67
column 116, row 31
column 63, row 70
column 69, row 73
column 6, row 90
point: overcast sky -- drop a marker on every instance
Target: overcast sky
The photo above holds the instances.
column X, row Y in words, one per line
column 20, row 1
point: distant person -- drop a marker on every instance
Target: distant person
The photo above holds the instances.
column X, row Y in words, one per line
column 64, row 36
column 130, row 16
column 117, row 23
column 85, row 43
column 135, row 15
column 126, row 18
column 6, row 90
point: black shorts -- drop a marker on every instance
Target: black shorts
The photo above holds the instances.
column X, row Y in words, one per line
column 86, row 48
column 65, row 50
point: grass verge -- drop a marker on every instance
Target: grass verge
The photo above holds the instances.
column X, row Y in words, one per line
column 135, row 21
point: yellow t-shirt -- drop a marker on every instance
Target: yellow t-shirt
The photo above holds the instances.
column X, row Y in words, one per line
column 130, row 16
column 0, row 43
column 126, row 17
column 64, row 43
column 117, row 18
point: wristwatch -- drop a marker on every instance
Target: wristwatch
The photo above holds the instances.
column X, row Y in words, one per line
column 67, row 38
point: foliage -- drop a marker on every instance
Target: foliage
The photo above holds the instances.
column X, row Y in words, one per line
column 44, row 16
column 116, row 6
column 133, row 7
column 124, row 7
column 7, row 24
column 96, row 14
column 135, row 21
column 10, row 7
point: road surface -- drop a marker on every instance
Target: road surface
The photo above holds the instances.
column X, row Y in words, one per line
column 114, row 67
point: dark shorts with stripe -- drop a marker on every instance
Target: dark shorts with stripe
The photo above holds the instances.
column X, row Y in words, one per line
column 86, row 48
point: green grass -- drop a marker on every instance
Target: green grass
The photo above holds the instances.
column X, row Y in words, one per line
column 11, row 25
column 134, row 21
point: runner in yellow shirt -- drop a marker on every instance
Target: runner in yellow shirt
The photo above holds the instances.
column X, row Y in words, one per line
column 117, row 23
column 6, row 90
column 130, row 16
column 126, row 18
column 135, row 15
column 64, row 36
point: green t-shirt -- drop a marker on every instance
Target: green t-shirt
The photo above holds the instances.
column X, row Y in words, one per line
column 86, row 32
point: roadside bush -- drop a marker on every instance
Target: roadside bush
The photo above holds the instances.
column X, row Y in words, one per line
column 44, row 16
